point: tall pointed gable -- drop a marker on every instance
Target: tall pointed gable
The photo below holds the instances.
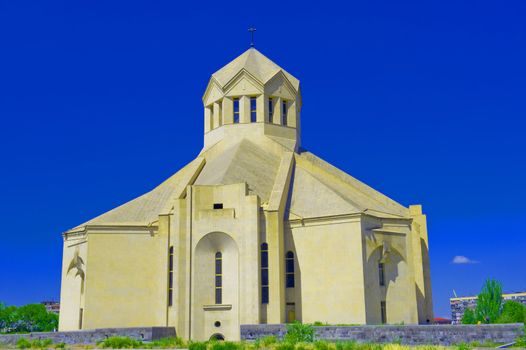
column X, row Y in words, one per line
column 255, row 63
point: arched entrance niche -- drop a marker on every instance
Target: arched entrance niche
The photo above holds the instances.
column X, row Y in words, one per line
column 216, row 287
column 387, row 281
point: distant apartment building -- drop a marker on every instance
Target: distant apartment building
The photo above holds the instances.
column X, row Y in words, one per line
column 52, row 306
column 459, row 305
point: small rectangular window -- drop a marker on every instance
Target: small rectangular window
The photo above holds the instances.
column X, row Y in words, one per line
column 381, row 274
column 270, row 109
column 383, row 312
column 264, row 295
column 170, row 275
column 218, row 205
column 253, row 110
column 236, row 110
column 284, row 113
column 219, row 297
column 264, row 277
column 290, row 280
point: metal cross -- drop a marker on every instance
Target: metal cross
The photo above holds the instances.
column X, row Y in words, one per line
column 251, row 30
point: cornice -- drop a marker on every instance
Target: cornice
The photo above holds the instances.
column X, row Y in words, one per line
column 150, row 229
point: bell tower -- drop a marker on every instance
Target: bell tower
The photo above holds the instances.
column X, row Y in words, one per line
column 252, row 95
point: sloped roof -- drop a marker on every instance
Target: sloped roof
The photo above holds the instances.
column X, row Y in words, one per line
column 245, row 161
column 146, row 208
column 257, row 64
column 320, row 189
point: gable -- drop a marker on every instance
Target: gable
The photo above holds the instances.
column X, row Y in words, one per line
column 279, row 86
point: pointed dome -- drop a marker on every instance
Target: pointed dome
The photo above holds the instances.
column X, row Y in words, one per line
column 255, row 63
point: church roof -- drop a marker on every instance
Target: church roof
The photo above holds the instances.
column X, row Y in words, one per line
column 318, row 189
column 145, row 209
column 244, row 161
column 255, row 63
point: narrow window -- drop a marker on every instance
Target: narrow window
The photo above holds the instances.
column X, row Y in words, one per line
column 253, row 109
column 381, row 274
column 218, row 205
column 170, row 275
column 270, row 109
column 219, row 278
column 264, row 273
column 289, row 269
column 284, row 112
column 383, row 312
column 236, row 110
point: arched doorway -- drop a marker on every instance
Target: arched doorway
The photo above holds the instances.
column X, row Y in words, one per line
column 217, row 337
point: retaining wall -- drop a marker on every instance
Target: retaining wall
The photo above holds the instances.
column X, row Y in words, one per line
column 94, row 335
column 410, row 334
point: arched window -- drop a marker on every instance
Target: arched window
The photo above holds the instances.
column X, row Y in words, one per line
column 170, row 275
column 219, row 278
column 264, row 273
column 289, row 269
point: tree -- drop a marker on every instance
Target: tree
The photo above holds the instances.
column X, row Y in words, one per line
column 7, row 317
column 35, row 318
column 489, row 302
column 28, row 318
column 469, row 317
column 512, row 312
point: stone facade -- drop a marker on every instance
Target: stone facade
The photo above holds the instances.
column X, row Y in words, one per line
column 410, row 334
column 95, row 335
column 461, row 304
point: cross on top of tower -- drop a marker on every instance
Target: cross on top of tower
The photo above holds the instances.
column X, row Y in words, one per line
column 251, row 30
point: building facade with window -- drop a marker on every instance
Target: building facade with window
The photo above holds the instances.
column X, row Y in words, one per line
column 255, row 230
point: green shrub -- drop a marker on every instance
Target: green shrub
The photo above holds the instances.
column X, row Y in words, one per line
column 297, row 333
column 463, row 346
column 269, row 340
column 321, row 345
column 284, row 346
column 369, row 346
column 346, row 345
column 60, row 346
column 197, row 346
column 119, row 343
column 520, row 342
column 512, row 312
column 166, row 343
column 23, row 343
column 225, row 345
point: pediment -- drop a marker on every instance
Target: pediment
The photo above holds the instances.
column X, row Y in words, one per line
column 213, row 92
column 279, row 86
column 243, row 84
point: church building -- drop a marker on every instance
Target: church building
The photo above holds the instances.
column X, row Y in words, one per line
column 254, row 230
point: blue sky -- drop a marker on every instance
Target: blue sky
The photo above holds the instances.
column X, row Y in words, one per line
column 424, row 101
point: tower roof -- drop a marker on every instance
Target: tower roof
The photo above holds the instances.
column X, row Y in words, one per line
column 255, row 63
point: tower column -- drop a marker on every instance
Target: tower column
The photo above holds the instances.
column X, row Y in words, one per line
column 228, row 110
column 217, row 114
column 261, row 108
column 244, row 109
column 291, row 114
column 208, row 119
column 277, row 110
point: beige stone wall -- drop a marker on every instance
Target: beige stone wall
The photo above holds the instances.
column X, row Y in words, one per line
column 126, row 280
column 72, row 290
column 330, row 272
